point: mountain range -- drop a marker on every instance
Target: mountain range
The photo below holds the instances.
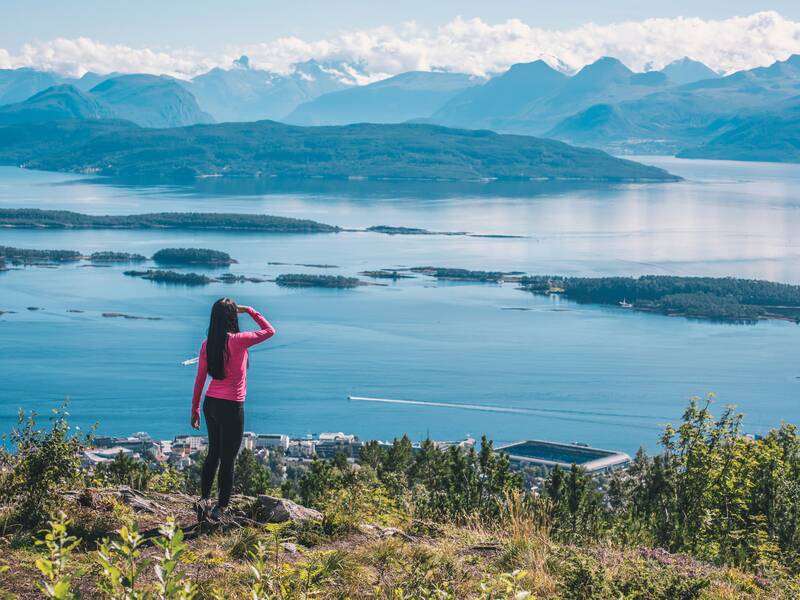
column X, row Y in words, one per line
column 683, row 108
column 685, row 118
column 244, row 93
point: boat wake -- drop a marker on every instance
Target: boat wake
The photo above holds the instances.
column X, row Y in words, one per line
column 534, row 412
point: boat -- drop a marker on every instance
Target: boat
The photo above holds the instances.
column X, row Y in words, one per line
column 625, row 304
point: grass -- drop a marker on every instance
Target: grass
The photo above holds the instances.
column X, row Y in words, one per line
column 514, row 558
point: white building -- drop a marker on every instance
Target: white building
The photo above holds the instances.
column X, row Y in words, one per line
column 302, row 448
column 337, row 437
column 190, row 442
column 95, row 456
column 248, row 441
column 272, row 440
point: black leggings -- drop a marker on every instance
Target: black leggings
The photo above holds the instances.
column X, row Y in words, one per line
column 225, row 422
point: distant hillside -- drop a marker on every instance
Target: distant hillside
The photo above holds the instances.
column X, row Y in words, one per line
column 603, row 120
column 243, row 93
column 393, row 100
column 502, row 96
column 266, row 148
column 150, row 101
column 771, row 136
column 17, row 85
column 55, row 104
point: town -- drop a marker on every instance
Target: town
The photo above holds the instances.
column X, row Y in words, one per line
column 184, row 450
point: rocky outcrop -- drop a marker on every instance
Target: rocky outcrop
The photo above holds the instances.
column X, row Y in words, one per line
column 280, row 510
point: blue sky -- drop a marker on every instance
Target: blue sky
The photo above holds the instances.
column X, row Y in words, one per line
column 186, row 37
column 211, row 25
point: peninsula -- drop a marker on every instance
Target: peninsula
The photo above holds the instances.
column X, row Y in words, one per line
column 34, row 218
column 722, row 298
column 404, row 151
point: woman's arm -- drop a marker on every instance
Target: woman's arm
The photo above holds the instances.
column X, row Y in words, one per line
column 199, row 381
column 251, row 338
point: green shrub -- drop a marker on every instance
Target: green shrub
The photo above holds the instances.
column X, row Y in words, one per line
column 44, row 463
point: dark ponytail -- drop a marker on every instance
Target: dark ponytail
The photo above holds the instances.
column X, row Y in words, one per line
column 224, row 320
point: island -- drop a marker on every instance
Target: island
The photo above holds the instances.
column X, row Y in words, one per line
column 393, row 230
column 322, row 281
column 29, row 256
column 461, row 274
column 34, row 218
column 307, row 265
column 192, row 256
column 124, row 257
column 160, row 276
column 718, row 298
column 231, row 278
column 112, row 315
column 386, row 274
column 268, row 149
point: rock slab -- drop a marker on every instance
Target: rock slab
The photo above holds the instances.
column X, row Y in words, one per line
column 280, row 510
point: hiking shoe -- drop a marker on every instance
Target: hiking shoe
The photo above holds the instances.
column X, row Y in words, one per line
column 219, row 514
column 202, row 507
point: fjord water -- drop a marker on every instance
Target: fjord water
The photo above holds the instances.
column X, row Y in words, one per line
column 600, row 375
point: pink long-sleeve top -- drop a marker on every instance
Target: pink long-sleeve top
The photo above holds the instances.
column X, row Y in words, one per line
column 234, row 386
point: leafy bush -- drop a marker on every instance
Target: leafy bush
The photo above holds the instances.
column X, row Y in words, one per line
column 44, row 462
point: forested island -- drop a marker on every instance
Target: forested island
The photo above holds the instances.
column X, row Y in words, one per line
column 322, row 281
column 392, row 230
column 724, row 298
column 123, row 257
column 34, row 218
column 461, row 274
column 161, row 276
column 29, row 256
column 192, row 256
column 231, row 278
column 386, row 274
column 262, row 149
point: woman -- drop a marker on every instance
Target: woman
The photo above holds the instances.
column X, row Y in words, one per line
column 224, row 356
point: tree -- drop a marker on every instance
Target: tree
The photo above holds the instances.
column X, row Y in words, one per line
column 371, row 455
column 250, row 476
column 399, row 456
column 124, row 469
column 578, row 505
column 321, row 477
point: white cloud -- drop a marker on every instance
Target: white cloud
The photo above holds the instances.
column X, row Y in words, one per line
column 469, row 45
